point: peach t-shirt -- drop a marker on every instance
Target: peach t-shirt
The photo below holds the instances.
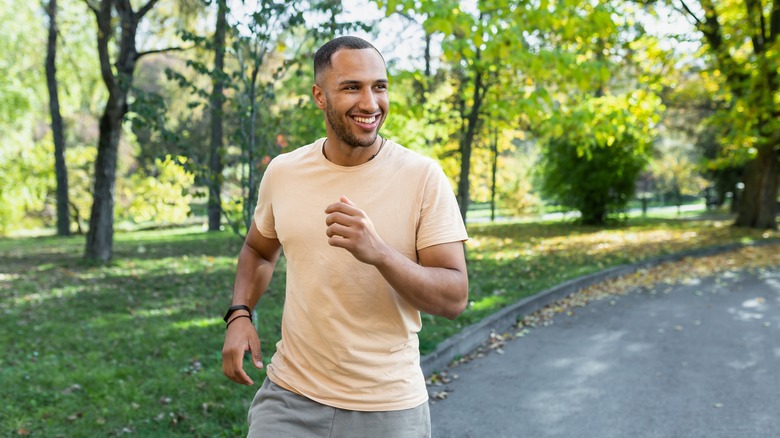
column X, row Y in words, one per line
column 348, row 339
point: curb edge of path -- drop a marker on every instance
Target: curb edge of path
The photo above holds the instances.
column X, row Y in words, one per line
column 474, row 335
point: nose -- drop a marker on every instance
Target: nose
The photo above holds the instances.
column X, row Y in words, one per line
column 368, row 101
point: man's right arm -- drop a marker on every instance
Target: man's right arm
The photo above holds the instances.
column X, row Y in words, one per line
column 256, row 264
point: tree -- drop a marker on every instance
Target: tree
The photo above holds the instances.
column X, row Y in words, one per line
column 691, row 120
column 216, row 104
column 724, row 172
column 21, row 95
column 27, row 149
column 268, row 59
column 58, row 130
column 596, row 151
column 259, row 69
column 476, row 50
column 512, row 58
column 266, row 84
column 118, row 79
column 742, row 42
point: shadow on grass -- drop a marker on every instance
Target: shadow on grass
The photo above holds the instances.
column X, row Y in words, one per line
column 126, row 348
column 142, row 336
column 43, row 253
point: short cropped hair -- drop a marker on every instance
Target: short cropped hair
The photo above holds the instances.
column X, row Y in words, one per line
column 324, row 53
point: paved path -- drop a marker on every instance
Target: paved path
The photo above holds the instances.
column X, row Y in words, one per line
column 696, row 360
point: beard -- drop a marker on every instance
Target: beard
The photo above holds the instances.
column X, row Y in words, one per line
column 344, row 133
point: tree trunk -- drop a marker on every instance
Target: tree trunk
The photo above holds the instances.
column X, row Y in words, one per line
column 118, row 78
column 494, row 171
column 463, row 180
column 467, row 142
column 251, row 190
column 100, row 237
column 57, row 127
column 216, row 106
column 758, row 204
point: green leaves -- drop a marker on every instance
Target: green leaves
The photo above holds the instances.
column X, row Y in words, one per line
column 164, row 196
column 509, row 63
column 741, row 56
column 595, row 151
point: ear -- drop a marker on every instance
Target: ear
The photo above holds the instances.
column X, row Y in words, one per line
column 319, row 96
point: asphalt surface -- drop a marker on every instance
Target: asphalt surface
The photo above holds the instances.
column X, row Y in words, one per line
column 694, row 360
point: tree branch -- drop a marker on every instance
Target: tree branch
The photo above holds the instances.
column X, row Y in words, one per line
column 764, row 35
column 92, row 7
column 104, row 35
column 711, row 27
column 166, row 50
column 124, row 8
column 774, row 21
column 145, row 9
column 755, row 17
column 699, row 23
column 405, row 15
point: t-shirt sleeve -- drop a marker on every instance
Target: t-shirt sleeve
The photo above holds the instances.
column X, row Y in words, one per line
column 264, row 211
column 440, row 220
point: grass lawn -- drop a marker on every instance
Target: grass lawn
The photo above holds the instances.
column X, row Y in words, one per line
column 133, row 348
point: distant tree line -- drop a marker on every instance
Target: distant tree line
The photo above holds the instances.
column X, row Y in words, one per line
column 156, row 108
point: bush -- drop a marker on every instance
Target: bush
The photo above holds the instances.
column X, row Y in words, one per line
column 162, row 197
column 595, row 153
column 28, row 169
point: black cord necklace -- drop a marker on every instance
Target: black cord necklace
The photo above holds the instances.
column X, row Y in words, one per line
column 378, row 150
column 372, row 157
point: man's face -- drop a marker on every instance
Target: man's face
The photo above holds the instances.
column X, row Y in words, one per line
column 353, row 94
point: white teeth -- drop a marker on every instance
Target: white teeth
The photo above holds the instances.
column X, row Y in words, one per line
column 366, row 120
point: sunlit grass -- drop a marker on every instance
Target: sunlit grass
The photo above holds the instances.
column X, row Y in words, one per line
column 134, row 347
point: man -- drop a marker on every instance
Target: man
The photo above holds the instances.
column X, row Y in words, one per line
column 372, row 235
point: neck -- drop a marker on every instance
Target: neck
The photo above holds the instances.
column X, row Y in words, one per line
column 347, row 155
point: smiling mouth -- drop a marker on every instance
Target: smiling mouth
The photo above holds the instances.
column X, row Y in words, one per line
column 365, row 120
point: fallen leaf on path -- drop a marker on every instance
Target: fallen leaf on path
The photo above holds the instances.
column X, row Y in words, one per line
column 441, row 395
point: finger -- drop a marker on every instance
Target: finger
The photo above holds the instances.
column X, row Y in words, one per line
column 232, row 366
column 257, row 356
column 332, row 208
column 339, row 218
column 243, row 378
column 340, row 242
column 339, row 231
column 240, row 376
column 342, row 207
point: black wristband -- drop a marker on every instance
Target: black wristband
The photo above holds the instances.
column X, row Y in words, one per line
column 232, row 309
column 239, row 316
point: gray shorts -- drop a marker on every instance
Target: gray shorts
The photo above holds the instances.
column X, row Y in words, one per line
column 278, row 413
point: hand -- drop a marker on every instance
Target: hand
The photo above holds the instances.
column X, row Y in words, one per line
column 240, row 337
column 350, row 228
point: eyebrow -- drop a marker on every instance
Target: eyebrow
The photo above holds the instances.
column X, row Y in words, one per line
column 355, row 82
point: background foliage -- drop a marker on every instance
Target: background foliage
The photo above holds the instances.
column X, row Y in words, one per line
column 531, row 108
column 493, row 82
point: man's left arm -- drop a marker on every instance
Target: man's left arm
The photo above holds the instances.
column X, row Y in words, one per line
column 437, row 285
